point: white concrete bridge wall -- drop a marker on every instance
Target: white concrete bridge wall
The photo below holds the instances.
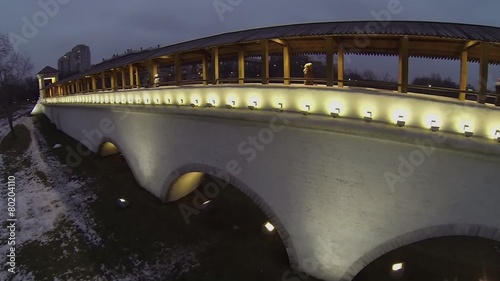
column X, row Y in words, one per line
column 342, row 192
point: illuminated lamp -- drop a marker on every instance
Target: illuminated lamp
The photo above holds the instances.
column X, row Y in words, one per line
column 397, row 270
column 123, row 203
column 252, row 107
column 305, row 112
column 335, row 113
column 210, row 104
column 231, row 105
column 434, row 126
column 280, row 107
column 468, row 131
column 401, row 121
column 194, row 104
column 368, row 116
column 268, row 228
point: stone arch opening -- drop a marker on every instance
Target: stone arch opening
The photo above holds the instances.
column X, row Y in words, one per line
column 107, row 148
column 429, row 249
column 205, row 183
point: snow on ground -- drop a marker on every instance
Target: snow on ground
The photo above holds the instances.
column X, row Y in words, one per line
column 43, row 204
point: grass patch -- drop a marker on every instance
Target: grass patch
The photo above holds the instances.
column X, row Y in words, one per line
column 19, row 145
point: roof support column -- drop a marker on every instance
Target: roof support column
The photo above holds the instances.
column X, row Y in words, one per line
column 153, row 71
column 178, row 70
column 340, row 67
column 241, row 66
column 103, row 81
column 77, row 84
column 463, row 74
column 124, row 79
column 131, row 75
column 329, row 61
column 264, row 61
column 286, row 65
column 483, row 72
column 204, row 69
column 114, row 80
column 403, row 65
column 137, row 77
column 87, row 85
column 94, row 83
column 215, row 65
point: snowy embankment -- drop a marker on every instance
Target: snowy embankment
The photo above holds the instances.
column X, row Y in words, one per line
column 52, row 202
column 45, row 195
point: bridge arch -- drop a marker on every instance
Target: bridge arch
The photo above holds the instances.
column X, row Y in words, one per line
column 109, row 146
column 196, row 170
column 436, row 231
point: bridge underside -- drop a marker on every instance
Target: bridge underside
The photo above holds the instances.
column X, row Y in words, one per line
column 340, row 195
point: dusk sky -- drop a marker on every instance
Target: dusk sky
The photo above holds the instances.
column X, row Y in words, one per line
column 110, row 27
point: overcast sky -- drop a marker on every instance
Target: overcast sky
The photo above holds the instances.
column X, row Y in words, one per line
column 110, row 26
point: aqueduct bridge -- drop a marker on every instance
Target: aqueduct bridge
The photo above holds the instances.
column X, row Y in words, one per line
column 344, row 174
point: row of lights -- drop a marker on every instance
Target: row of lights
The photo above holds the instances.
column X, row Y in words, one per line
column 368, row 116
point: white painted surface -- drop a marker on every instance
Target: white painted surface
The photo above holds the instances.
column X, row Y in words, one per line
column 324, row 187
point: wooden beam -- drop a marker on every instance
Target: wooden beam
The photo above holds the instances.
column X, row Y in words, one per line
column 280, row 42
column 241, row 66
column 483, row 72
column 286, row 65
column 463, row 74
column 470, row 44
column 215, row 65
column 264, row 61
column 403, row 65
column 178, row 69
column 329, row 61
column 340, row 66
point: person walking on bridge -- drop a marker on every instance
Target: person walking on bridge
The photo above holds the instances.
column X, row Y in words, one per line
column 308, row 74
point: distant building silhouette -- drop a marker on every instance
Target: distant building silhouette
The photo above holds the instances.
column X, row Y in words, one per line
column 77, row 60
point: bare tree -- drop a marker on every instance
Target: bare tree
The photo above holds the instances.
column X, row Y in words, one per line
column 14, row 69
